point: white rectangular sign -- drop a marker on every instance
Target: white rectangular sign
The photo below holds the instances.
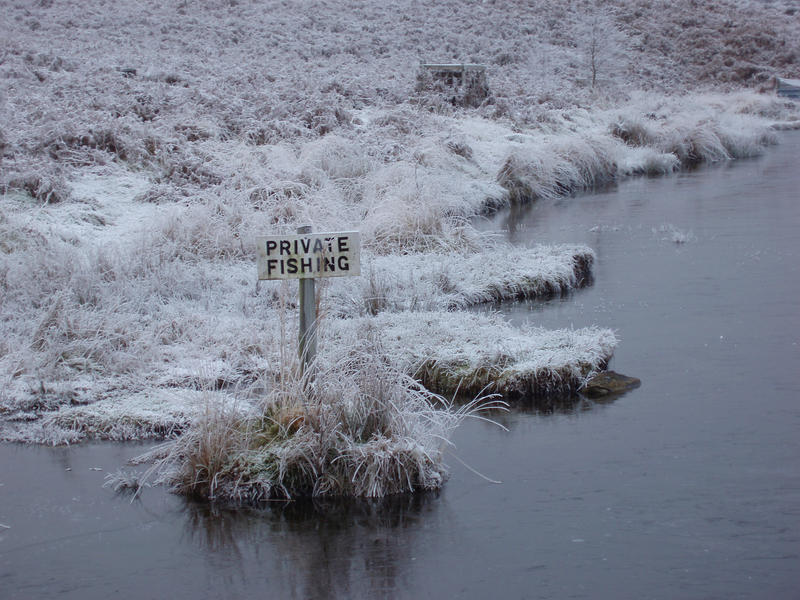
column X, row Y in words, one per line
column 308, row 255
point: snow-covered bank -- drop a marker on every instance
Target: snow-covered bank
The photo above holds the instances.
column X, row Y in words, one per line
column 118, row 313
column 172, row 88
column 457, row 280
column 148, row 369
column 470, row 354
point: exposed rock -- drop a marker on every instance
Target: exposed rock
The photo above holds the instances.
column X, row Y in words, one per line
column 609, row 383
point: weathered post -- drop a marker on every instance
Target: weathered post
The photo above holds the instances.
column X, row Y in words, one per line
column 306, row 256
column 307, row 338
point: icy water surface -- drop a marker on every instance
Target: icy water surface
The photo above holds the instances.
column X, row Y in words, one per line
column 688, row 487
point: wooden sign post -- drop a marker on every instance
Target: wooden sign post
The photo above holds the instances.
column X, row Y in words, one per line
column 307, row 337
column 306, row 256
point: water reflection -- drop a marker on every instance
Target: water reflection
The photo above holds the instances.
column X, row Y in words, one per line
column 574, row 404
column 315, row 548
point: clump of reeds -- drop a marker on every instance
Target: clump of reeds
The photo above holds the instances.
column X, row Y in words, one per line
column 560, row 167
column 337, row 157
column 356, row 427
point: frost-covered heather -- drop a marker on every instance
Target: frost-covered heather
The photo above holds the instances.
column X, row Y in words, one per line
column 144, row 146
column 267, row 70
column 170, row 86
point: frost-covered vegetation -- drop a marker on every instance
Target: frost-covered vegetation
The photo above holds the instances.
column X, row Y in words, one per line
column 144, row 145
column 467, row 354
column 357, row 428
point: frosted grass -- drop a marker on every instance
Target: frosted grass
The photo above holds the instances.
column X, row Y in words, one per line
column 457, row 280
column 115, row 291
column 112, row 340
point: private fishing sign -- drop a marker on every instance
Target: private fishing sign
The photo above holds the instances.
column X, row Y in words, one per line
column 309, row 255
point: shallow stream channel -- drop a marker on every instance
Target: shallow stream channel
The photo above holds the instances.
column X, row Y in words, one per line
column 686, row 487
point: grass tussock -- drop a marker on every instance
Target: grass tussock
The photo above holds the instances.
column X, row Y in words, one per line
column 358, row 428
